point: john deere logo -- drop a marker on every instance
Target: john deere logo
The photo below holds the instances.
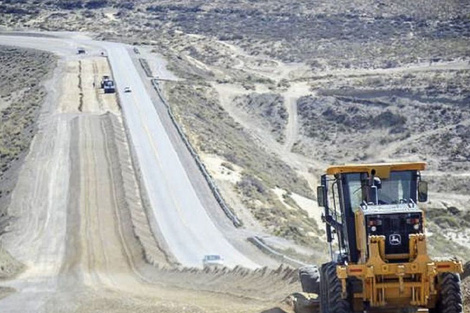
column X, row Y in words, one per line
column 394, row 239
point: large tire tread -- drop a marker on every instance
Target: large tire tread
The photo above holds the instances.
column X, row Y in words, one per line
column 310, row 279
column 450, row 297
column 323, row 289
column 334, row 301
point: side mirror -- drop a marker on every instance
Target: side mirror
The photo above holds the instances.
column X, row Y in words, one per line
column 320, row 194
column 423, row 191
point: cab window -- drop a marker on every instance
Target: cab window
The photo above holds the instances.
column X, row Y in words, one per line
column 395, row 189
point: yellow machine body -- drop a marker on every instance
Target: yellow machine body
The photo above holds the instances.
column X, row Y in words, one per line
column 402, row 280
column 402, row 284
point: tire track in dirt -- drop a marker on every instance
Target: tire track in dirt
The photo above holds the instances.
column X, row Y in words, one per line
column 96, row 82
column 116, row 195
column 102, row 229
column 37, row 236
column 80, row 87
column 87, row 181
column 117, row 190
column 73, row 249
column 292, row 127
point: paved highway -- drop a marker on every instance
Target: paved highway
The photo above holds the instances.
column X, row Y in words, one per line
column 182, row 220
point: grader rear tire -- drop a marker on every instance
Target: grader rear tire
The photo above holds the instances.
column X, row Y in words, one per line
column 310, row 279
column 450, row 297
column 333, row 302
column 323, row 289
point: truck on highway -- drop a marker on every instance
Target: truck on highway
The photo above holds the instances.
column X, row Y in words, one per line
column 109, row 87
column 107, row 84
column 104, row 79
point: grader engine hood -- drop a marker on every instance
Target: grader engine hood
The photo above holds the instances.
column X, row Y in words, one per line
column 396, row 222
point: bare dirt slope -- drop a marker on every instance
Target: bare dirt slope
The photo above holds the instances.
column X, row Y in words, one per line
column 21, row 71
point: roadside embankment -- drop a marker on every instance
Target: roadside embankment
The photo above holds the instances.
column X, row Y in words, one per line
column 22, row 92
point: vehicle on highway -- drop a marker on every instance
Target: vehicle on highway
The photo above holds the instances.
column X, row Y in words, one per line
column 127, row 89
column 81, row 50
column 108, row 86
column 104, row 80
column 212, row 260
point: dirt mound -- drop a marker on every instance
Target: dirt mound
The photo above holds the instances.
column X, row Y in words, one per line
column 263, row 284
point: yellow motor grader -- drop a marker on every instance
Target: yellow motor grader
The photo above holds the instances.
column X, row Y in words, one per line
column 379, row 262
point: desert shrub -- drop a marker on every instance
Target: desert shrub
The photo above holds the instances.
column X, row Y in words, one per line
column 70, row 4
column 251, row 186
column 125, row 5
column 228, row 166
column 447, row 221
column 96, row 4
column 17, row 119
column 268, row 109
column 466, row 217
column 388, row 119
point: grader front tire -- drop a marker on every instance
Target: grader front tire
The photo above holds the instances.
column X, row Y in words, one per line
column 334, row 301
column 450, row 297
column 310, row 279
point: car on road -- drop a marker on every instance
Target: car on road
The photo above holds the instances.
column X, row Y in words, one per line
column 212, row 260
column 127, row 89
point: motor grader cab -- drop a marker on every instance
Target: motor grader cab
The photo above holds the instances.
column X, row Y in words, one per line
column 375, row 230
